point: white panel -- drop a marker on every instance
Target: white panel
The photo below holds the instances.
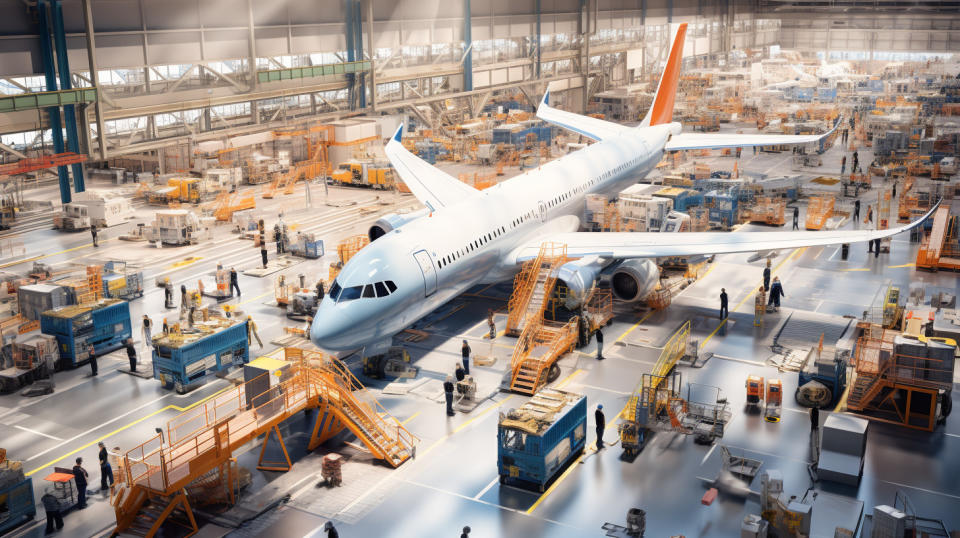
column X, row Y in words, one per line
column 77, row 53
column 702, row 45
column 223, row 13
column 498, row 76
column 635, row 59
column 115, row 15
column 386, row 35
column 120, row 51
column 447, row 32
column 171, row 14
column 417, row 33
column 515, row 74
column 566, row 26
column 501, row 29
column 271, row 42
column 225, row 44
column 480, row 33
column 481, row 79
column 521, row 29
column 177, row 48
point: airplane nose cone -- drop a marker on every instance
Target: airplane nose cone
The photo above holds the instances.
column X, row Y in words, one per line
column 331, row 326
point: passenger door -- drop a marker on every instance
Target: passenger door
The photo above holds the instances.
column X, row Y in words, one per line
column 543, row 212
column 429, row 272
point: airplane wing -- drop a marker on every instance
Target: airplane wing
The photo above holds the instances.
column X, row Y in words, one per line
column 718, row 141
column 622, row 245
column 593, row 128
column 434, row 188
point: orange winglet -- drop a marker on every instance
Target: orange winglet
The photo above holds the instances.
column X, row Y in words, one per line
column 662, row 109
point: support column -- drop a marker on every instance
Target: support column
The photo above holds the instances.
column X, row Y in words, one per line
column 538, row 45
column 468, row 44
column 94, row 79
column 370, row 49
column 69, row 111
column 252, row 46
column 51, row 79
column 358, row 39
column 351, row 55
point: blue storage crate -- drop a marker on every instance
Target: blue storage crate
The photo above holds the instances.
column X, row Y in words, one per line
column 20, row 506
column 314, row 249
column 105, row 327
column 534, row 460
column 193, row 363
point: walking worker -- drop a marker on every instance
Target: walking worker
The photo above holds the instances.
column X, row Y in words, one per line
column 252, row 332
column 233, row 282
column 80, row 476
column 93, row 233
column 491, row 324
column 776, row 292
column 856, row 211
column 843, row 165
column 183, row 297
column 739, row 149
column 147, row 326
column 599, row 345
column 796, row 218
column 277, row 238
column 263, row 254
column 131, row 355
column 724, row 311
column 459, row 373
column 766, row 277
column 106, row 471
column 856, row 162
column 52, row 507
column 601, row 425
column 448, row 393
column 465, row 353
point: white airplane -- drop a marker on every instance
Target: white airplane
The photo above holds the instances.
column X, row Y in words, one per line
column 464, row 237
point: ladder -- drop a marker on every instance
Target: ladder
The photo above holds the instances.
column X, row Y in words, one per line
column 533, row 286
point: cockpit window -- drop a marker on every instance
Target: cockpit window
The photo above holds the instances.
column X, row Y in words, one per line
column 350, row 293
column 368, row 291
column 381, row 289
column 335, row 291
column 391, row 286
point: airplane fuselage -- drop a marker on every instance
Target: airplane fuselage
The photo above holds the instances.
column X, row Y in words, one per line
column 439, row 256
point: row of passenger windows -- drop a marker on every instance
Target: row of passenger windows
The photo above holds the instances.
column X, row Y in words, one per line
column 473, row 245
column 377, row 289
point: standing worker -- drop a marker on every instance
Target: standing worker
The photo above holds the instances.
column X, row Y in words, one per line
column 724, row 311
column 843, row 165
column 147, row 326
column 869, row 214
column 320, row 291
column 52, row 507
column 856, row 211
column 183, row 297
column 465, row 353
column 263, row 243
column 766, row 277
column 491, row 324
column 599, row 344
column 776, row 292
column 131, row 355
column 252, row 331
column 276, row 238
column 233, row 282
column 106, row 471
column 796, row 218
column 601, row 425
column 815, row 433
column 330, row 530
column 93, row 359
column 93, row 233
column 459, row 373
column 856, row 163
column 876, row 248
column 80, row 476
column 738, row 152
column 167, row 293
column 448, row 392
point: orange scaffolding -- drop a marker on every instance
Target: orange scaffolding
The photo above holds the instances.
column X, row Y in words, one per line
column 939, row 250
column 533, row 286
column 767, row 211
column 819, row 210
column 158, row 473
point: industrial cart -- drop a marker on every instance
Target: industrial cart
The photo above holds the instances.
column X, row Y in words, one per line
column 184, row 360
column 121, row 280
column 538, row 440
column 101, row 326
column 16, row 504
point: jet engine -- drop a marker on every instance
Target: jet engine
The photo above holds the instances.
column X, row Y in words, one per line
column 634, row 279
column 388, row 223
column 579, row 276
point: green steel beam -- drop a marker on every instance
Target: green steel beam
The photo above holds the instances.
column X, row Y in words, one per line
column 33, row 101
column 274, row 75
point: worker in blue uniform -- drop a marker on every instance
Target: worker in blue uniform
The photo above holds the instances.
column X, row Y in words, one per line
column 448, row 393
column 601, row 425
column 766, row 277
column 776, row 292
column 465, row 353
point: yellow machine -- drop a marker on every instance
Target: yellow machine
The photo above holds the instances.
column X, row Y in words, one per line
column 754, row 386
column 186, row 189
column 363, row 174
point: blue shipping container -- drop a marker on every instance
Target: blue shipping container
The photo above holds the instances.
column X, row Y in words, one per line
column 104, row 326
column 17, row 504
column 191, row 364
column 533, row 460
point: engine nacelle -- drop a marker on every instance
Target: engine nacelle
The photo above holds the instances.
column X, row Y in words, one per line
column 579, row 276
column 633, row 280
column 388, row 223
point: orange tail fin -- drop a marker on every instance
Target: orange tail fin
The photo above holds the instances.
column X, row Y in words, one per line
column 662, row 109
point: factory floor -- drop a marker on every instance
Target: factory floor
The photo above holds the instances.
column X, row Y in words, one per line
column 453, row 480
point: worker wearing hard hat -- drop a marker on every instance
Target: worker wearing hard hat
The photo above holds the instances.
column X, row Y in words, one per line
column 252, row 332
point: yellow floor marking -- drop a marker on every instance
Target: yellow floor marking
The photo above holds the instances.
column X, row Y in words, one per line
column 122, row 428
column 185, row 262
column 856, row 269
column 635, row 325
column 261, row 296
column 569, row 378
column 413, row 416
column 42, row 256
column 901, row 266
column 749, row 295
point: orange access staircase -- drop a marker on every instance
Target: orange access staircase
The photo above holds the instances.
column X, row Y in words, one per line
column 228, row 203
column 939, row 250
column 158, row 474
column 532, row 287
column 286, row 181
column 538, row 348
column 819, row 210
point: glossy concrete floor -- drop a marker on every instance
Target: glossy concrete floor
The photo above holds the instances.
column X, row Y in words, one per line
column 453, row 480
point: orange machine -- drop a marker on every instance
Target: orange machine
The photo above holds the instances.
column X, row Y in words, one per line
column 754, row 390
column 774, row 400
